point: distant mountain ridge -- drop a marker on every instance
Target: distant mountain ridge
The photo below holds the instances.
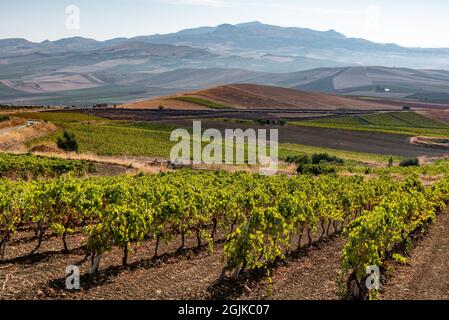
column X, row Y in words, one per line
column 255, row 39
column 84, row 71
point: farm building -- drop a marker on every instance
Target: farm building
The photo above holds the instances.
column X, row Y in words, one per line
column 270, row 120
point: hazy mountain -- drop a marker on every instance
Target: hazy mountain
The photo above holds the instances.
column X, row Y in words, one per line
column 262, row 42
column 255, row 39
column 77, row 69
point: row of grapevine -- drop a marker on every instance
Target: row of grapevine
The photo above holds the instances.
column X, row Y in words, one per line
column 387, row 230
column 26, row 166
column 261, row 218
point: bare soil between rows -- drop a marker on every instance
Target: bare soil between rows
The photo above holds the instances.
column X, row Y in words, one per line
column 192, row 274
column 424, row 277
column 310, row 274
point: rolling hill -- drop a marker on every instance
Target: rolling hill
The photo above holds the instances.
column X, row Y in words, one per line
column 251, row 96
column 83, row 72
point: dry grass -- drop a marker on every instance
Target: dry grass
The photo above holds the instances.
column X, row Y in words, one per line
column 142, row 164
column 166, row 102
column 14, row 140
column 12, row 123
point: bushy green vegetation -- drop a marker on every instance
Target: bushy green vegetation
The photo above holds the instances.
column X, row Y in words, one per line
column 203, row 102
column 350, row 157
column 409, row 163
column 316, row 164
column 26, row 166
column 4, row 118
column 319, row 158
column 315, row 169
column 316, row 158
column 298, row 159
column 68, row 142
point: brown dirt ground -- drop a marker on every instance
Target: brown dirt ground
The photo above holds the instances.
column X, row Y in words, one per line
column 309, row 274
column 14, row 141
column 250, row 96
column 189, row 275
column 359, row 141
column 441, row 115
column 425, row 275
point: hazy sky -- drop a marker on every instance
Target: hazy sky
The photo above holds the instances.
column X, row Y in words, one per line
column 406, row 22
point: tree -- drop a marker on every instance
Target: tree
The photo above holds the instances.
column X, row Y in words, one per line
column 390, row 162
column 68, row 142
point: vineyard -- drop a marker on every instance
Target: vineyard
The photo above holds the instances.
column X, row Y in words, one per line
column 25, row 166
column 261, row 220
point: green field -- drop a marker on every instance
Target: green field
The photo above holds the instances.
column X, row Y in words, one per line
column 407, row 123
column 58, row 116
column 115, row 139
column 120, row 138
column 137, row 139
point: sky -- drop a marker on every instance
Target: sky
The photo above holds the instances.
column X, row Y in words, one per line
column 412, row 23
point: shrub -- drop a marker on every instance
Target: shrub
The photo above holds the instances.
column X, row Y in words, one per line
column 4, row 118
column 299, row 159
column 390, row 162
column 318, row 158
column 315, row 169
column 68, row 142
column 409, row 163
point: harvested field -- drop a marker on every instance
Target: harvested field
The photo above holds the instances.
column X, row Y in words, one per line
column 250, row 96
column 369, row 142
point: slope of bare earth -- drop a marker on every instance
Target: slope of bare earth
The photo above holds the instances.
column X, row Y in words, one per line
column 425, row 275
column 251, row 96
column 441, row 115
column 13, row 138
